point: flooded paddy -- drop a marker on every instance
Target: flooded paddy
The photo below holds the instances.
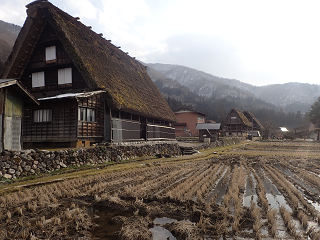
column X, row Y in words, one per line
column 244, row 194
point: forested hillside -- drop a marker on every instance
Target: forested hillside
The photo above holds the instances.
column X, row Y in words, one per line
column 217, row 108
column 8, row 35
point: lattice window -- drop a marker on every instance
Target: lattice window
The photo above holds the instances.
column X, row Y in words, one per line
column 42, row 115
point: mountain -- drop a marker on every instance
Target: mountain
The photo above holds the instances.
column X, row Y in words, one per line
column 8, row 35
column 289, row 96
column 179, row 96
column 202, row 83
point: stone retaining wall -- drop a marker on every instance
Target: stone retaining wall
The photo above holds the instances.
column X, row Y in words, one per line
column 31, row 162
column 221, row 143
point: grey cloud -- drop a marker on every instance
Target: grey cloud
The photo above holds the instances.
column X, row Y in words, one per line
column 203, row 52
column 211, row 54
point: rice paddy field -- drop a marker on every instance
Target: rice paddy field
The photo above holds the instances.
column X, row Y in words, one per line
column 254, row 190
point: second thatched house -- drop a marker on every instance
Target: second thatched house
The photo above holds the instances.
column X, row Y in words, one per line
column 240, row 123
column 89, row 90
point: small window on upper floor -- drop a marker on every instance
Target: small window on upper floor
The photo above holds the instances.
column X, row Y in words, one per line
column 38, row 79
column 65, row 76
column 51, row 53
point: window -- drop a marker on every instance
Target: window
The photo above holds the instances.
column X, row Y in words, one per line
column 38, row 79
column 42, row 115
column 64, row 76
column 87, row 114
column 200, row 118
column 51, row 53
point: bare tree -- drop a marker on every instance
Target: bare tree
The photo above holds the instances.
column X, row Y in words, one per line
column 268, row 127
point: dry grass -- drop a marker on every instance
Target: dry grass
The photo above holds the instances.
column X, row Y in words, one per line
column 286, row 216
column 272, row 216
column 256, row 215
column 303, row 219
column 261, row 191
column 184, row 182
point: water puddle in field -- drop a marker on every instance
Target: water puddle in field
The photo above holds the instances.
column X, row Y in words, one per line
column 290, row 174
column 250, row 192
column 220, row 188
column 159, row 233
column 274, row 197
column 108, row 229
column 314, row 204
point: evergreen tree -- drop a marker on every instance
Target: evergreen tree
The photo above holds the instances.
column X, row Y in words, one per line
column 314, row 115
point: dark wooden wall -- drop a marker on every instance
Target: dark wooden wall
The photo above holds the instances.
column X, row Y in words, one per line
column 92, row 130
column 63, row 127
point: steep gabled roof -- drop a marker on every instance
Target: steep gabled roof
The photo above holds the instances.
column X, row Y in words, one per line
column 250, row 116
column 102, row 65
column 244, row 120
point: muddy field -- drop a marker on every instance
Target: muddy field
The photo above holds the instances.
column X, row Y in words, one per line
column 255, row 191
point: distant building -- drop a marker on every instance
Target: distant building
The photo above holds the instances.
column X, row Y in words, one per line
column 209, row 131
column 187, row 122
column 238, row 124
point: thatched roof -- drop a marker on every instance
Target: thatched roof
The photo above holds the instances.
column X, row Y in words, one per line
column 250, row 116
column 244, row 120
column 102, row 65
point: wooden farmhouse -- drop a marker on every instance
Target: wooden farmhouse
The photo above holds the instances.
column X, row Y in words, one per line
column 12, row 98
column 89, row 90
column 237, row 124
column 187, row 122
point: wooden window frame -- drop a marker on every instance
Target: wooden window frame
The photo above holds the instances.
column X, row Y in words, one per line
column 64, row 76
column 38, row 79
column 84, row 113
column 51, row 54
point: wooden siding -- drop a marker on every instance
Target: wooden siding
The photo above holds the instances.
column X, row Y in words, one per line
column 87, row 129
column 63, row 127
column 125, row 130
column 159, row 132
column 38, row 63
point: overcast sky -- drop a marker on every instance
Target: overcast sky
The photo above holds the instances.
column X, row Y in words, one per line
column 257, row 42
